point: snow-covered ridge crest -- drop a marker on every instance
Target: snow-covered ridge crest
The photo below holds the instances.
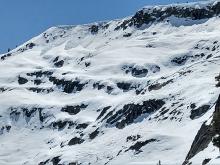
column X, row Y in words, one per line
column 175, row 14
column 154, row 14
column 196, row 5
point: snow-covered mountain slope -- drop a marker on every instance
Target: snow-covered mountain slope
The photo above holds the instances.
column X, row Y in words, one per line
column 138, row 90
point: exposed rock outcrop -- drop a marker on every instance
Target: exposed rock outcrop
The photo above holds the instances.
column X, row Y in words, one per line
column 130, row 112
column 206, row 135
column 149, row 15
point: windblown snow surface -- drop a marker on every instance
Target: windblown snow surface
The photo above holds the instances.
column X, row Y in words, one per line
column 100, row 94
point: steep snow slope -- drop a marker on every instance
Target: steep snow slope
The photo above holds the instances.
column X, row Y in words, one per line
column 131, row 91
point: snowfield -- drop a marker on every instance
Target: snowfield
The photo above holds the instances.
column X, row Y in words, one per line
column 113, row 93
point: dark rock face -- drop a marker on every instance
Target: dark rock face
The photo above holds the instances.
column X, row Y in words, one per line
column 138, row 145
column 56, row 160
column 30, row 45
column 126, row 86
column 109, row 89
column 75, row 141
column 136, row 71
column 59, row 64
column 206, row 134
column 205, row 161
column 139, row 72
column 22, row 80
column 68, row 86
column 180, row 60
column 216, row 124
column 137, row 20
column 14, row 114
column 209, row 56
column 104, row 110
column 6, row 56
column 158, row 86
column 37, row 82
column 44, row 163
column 8, row 127
column 94, row 134
column 28, row 113
column 185, row 58
column 73, row 163
column 2, row 89
column 127, row 35
column 42, row 116
column 56, row 59
column 27, row 46
column 5, row 128
column 73, row 110
column 130, row 112
column 201, row 141
column 40, row 90
column 40, row 73
column 140, row 18
column 49, row 37
column 207, row 46
column 82, row 126
column 62, row 124
column 87, row 64
column 146, row 16
column 94, row 29
column 198, row 112
column 100, row 85
column 133, row 138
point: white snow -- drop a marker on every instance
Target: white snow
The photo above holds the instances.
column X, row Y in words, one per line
column 107, row 52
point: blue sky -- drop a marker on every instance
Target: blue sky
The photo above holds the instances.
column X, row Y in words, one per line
column 23, row 19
